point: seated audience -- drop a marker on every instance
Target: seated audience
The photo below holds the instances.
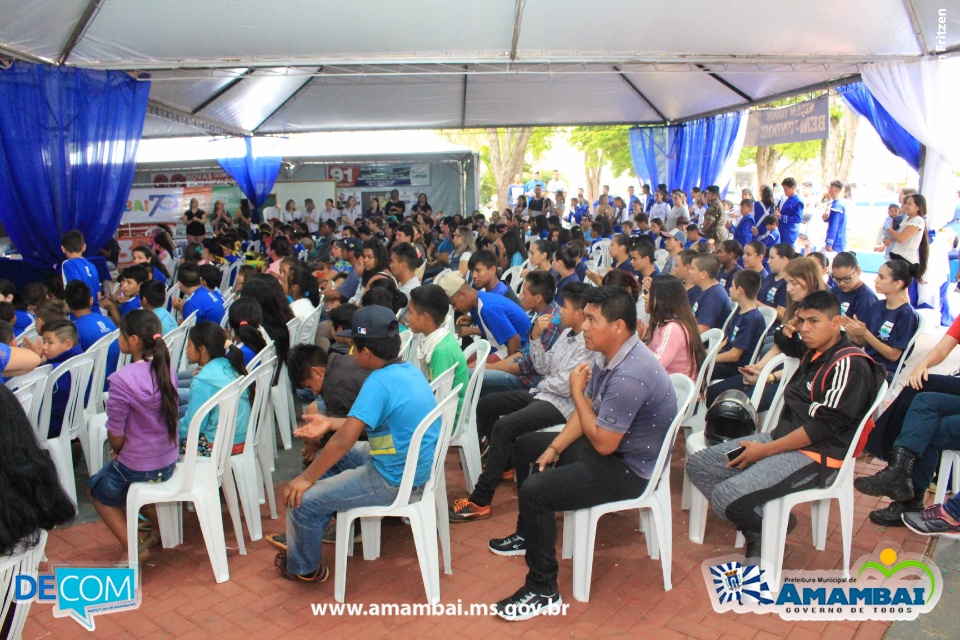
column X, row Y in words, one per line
column 672, row 333
column 713, row 306
column 153, row 295
column 855, row 297
column 744, row 330
column 729, row 253
column 497, row 319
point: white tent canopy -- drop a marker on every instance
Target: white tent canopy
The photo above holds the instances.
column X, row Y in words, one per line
column 248, row 66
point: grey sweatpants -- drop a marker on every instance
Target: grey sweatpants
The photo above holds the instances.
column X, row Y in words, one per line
column 739, row 496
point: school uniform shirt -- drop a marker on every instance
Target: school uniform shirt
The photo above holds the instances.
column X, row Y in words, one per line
column 130, row 305
column 503, row 289
column 83, row 270
column 91, row 328
column 21, row 320
column 858, row 302
column 690, row 243
column 773, row 292
column 562, row 284
column 660, row 210
column 726, row 277
column 713, row 307
column 743, row 232
column 770, row 238
column 693, row 295
column 158, row 275
column 61, row 391
column 499, row 320
column 626, row 265
column 791, row 214
column 744, row 333
column 302, row 308
column 167, row 323
column 837, row 226
column 760, row 212
column 391, row 404
column 894, row 327
column 208, row 308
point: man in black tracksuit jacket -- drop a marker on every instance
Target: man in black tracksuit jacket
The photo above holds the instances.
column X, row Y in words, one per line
column 834, row 386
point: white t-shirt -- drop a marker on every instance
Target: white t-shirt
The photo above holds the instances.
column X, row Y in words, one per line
column 290, row 216
column 409, row 286
column 353, row 214
column 302, row 308
column 332, row 214
column 910, row 249
column 556, row 185
column 312, row 218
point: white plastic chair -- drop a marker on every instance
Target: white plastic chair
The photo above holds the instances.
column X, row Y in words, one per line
column 172, row 292
column 656, row 498
column 949, row 473
column 176, row 340
column 229, row 272
column 308, row 329
column 695, row 442
column 465, row 436
column 769, row 319
column 422, row 514
column 79, row 367
column 282, row 393
column 512, row 277
column 777, row 512
column 266, row 443
column 712, row 341
column 198, row 480
column 443, row 383
column 600, row 253
column 93, row 435
column 244, row 465
column 30, row 386
column 30, row 333
column 24, row 564
column 907, row 352
column 734, row 307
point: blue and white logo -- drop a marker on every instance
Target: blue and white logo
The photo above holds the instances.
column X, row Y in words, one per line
column 734, row 582
column 82, row 592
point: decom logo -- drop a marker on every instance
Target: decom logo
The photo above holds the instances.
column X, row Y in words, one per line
column 81, row 592
column 881, row 587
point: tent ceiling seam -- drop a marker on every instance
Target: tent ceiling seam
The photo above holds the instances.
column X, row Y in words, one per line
column 222, row 90
column 89, row 12
column 289, row 100
column 463, row 106
column 915, row 24
column 728, row 85
column 517, row 19
column 17, row 54
column 639, row 93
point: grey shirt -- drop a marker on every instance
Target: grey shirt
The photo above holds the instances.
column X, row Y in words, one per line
column 556, row 364
column 633, row 395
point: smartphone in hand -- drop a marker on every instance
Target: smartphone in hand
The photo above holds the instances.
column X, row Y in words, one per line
column 733, row 455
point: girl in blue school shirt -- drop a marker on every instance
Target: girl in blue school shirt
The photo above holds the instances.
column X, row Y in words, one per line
column 145, row 256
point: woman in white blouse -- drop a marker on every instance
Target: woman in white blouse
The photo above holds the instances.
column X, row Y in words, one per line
column 910, row 242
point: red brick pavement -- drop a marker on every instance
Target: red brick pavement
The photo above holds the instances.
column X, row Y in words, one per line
column 181, row 599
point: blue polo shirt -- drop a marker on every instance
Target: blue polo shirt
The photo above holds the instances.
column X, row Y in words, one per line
column 21, row 320
column 501, row 317
column 693, row 294
column 726, row 277
column 744, row 333
column 83, row 270
column 713, row 307
column 858, row 302
column 208, row 308
column 894, row 327
column 130, row 305
column 91, row 328
column 773, row 292
column 561, row 285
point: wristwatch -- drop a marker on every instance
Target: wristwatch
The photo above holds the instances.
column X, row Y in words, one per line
column 771, row 379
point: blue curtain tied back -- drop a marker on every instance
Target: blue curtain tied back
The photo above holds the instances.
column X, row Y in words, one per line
column 255, row 175
column 895, row 138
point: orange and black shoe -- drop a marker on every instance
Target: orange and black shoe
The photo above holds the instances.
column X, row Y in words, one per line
column 278, row 541
column 466, row 511
column 320, row 575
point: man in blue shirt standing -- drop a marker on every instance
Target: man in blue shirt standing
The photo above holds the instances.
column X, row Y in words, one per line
column 515, row 190
column 502, row 322
column 836, row 219
column 76, row 267
column 536, row 182
column 791, row 212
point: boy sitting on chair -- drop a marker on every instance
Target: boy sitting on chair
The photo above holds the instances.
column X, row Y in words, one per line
column 824, row 402
column 347, row 474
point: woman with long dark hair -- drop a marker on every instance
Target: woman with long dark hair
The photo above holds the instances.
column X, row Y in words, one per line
column 304, row 290
column 376, row 263
column 245, row 318
column 911, row 242
column 514, row 251
column 145, row 256
column 266, row 290
column 672, row 333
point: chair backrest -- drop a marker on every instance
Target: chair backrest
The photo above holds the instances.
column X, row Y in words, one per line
column 227, row 303
column 24, row 563
column 28, row 389
column 849, row 459
column 921, row 327
column 511, row 276
column 229, row 272
column 712, row 340
column 172, row 292
column 686, row 394
column 260, row 409
column 421, row 270
column 442, row 384
column 28, row 334
column 189, row 322
column 176, row 340
column 445, row 411
column 100, row 349
column 269, row 351
column 450, row 323
column 772, row 414
column 293, row 327
column 480, row 348
column 733, row 314
column 308, row 328
column 227, row 401
column 600, row 252
column 769, row 319
column 79, row 367
column 406, row 339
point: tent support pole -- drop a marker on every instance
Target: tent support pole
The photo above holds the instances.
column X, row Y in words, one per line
column 91, row 10
column 915, row 24
column 293, row 96
column 205, row 124
column 517, row 18
column 463, row 107
column 222, row 90
column 640, row 95
column 728, row 85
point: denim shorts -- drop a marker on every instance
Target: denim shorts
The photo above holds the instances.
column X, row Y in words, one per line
column 109, row 485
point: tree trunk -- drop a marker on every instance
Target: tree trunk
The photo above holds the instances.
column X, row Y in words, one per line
column 829, row 149
column 767, row 158
column 507, row 150
column 593, row 168
column 850, row 123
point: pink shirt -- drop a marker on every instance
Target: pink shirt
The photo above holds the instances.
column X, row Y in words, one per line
column 670, row 344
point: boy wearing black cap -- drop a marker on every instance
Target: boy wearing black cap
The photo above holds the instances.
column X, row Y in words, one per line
column 346, row 473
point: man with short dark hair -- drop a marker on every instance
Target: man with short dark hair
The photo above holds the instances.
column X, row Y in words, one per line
column 790, row 214
column 713, row 306
column 836, row 218
column 404, row 263
column 483, row 268
column 824, row 402
column 606, row 452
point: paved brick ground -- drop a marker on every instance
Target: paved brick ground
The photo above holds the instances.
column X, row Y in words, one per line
column 181, row 599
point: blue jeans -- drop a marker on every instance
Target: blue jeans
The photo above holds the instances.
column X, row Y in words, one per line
column 932, row 425
column 351, row 482
column 498, row 382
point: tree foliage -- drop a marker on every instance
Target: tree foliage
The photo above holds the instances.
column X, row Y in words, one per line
column 602, row 146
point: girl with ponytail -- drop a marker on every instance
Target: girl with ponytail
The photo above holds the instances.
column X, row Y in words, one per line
column 245, row 319
column 141, row 426
column 220, row 363
column 304, row 290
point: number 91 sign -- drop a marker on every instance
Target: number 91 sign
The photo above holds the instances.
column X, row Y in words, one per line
column 343, row 175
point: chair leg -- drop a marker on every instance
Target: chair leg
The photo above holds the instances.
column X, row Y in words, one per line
column 233, row 508
column 344, row 542
column 211, row 524
column 247, row 488
column 424, row 526
column 955, row 473
column 443, row 520
column 946, row 476
column 568, row 543
column 773, row 539
column 820, row 514
column 370, row 533
column 470, row 460
column 278, row 395
column 265, row 463
column 170, row 515
column 686, row 496
column 740, row 541
column 650, row 534
column 663, row 525
column 584, row 537
column 845, row 498
column 698, row 515
column 133, row 508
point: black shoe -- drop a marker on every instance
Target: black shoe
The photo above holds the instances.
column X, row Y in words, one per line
column 526, row 604
column 890, row 516
column 512, row 545
column 894, row 482
column 752, row 553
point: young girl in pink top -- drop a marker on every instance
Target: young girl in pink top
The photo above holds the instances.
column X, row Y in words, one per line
column 672, row 333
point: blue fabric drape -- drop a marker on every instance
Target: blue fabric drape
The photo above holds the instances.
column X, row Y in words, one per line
column 255, row 176
column 895, row 138
column 68, row 142
column 687, row 155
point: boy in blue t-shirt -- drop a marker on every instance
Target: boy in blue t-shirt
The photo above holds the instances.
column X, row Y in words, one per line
column 76, row 267
column 728, row 253
column 347, row 474
column 130, row 279
column 60, row 343
column 713, row 307
column 856, row 298
column 771, row 235
column 196, row 297
column 745, row 329
column 211, row 277
column 91, row 326
column 152, row 297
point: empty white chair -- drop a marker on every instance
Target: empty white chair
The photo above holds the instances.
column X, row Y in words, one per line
column 244, row 465
column 656, row 498
column 24, row 563
column 777, row 512
column 183, row 362
column 266, row 443
column 79, row 368
column 894, row 382
column 949, row 473
column 422, row 514
column 30, row 386
column 465, row 437
column 197, row 479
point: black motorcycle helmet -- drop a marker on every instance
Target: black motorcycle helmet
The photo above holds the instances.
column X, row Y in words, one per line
column 730, row 417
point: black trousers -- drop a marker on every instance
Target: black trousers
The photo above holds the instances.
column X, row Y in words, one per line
column 583, row 478
column 890, row 423
column 502, row 418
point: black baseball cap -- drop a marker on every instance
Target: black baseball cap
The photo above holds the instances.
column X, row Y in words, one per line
column 353, row 244
column 372, row 322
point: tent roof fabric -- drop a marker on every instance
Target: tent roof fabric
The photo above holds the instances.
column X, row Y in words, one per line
column 245, row 66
